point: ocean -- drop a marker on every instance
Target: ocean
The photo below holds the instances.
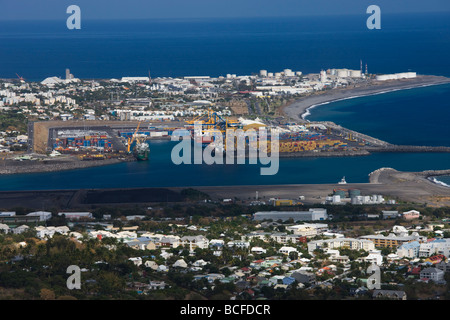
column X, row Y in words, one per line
column 170, row 48
column 112, row 49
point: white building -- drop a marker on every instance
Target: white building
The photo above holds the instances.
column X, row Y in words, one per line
column 433, row 274
column 180, row 264
column 373, row 257
column 396, row 76
column 409, row 250
column 136, row 260
column 258, row 250
column 350, row 243
column 194, row 242
column 287, row 250
column 308, row 229
column 440, row 246
column 43, row 215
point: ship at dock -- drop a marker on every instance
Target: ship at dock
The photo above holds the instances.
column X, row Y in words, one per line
column 141, row 151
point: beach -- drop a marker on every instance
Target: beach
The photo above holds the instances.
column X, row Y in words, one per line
column 299, row 110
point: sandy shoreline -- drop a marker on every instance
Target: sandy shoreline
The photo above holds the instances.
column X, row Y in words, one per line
column 300, row 108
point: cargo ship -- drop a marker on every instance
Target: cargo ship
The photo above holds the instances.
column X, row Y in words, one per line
column 141, row 151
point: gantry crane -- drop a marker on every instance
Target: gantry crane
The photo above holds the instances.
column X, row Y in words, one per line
column 131, row 140
column 213, row 121
column 22, row 80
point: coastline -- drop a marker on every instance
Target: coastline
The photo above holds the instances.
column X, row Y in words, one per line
column 13, row 167
column 300, row 109
column 438, row 182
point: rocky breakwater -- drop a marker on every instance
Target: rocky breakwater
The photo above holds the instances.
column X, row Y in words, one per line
column 50, row 165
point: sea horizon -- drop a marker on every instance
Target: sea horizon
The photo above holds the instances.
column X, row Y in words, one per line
column 105, row 49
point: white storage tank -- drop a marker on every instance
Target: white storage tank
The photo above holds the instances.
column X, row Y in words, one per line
column 355, row 73
column 342, row 73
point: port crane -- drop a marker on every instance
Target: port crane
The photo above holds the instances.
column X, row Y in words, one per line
column 22, row 80
column 213, row 121
column 131, row 140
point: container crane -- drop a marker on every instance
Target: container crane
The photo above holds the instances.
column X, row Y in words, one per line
column 131, row 140
column 22, row 80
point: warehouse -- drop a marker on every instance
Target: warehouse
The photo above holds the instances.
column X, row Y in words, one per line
column 314, row 214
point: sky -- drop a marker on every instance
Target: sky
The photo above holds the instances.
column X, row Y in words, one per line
column 187, row 9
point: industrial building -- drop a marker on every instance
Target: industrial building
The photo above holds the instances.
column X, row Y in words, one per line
column 43, row 215
column 314, row 214
column 76, row 215
column 396, row 76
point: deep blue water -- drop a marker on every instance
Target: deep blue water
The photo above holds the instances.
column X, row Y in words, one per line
column 105, row 49
column 419, row 116
column 445, row 179
column 159, row 171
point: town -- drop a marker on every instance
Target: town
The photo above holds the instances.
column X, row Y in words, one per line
column 228, row 251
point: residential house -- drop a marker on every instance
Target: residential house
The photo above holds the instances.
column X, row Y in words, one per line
column 304, row 277
column 151, row 264
column 217, row 247
column 390, row 214
column 340, row 259
column 409, row 250
column 194, row 242
column 157, row 285
column 200, row 263
column 444, row 266
column 410, row 215
column 436, row 259
column 258, row 250
column 287, row 250
column 136, row 260
column 238, row 244
column 433, row 274
column 285, row 238
column 180, row 264
column 4, row 228
column 373, row 257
